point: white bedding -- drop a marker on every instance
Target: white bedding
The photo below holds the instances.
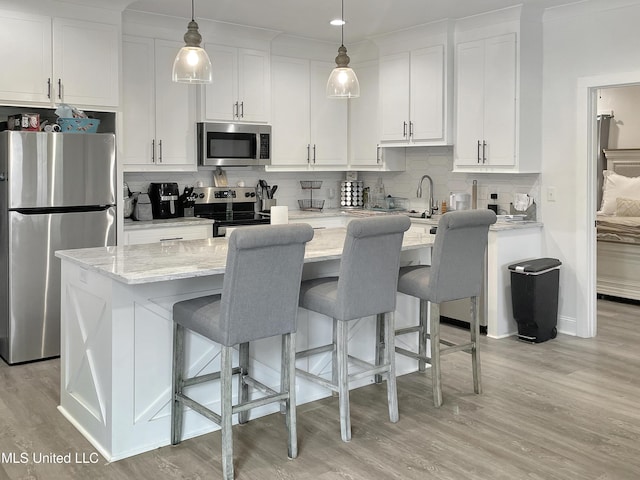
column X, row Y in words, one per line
column 618, row 229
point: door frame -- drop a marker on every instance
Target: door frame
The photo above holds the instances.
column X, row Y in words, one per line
column 586, row 144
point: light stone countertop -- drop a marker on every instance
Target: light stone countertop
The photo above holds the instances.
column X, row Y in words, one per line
column 302, row 215
column 130, row 225
column 174, row 260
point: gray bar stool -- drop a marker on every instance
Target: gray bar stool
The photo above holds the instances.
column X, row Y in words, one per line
column 259, row 299
column 456, row 271
column 366, row 286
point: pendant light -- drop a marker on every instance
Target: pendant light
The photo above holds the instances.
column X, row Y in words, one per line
column 192, row 64
column 343, row 82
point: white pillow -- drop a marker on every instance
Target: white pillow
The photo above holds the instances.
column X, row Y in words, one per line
column 615, row 186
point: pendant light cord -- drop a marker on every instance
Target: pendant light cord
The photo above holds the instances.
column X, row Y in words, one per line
column 341, row 26
column 192, row 11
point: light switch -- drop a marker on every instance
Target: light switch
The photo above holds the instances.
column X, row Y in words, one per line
column 551, row 194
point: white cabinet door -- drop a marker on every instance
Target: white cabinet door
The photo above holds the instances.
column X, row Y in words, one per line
column 158, row 114
column 363, row 120
column 221, row 96
column 328, row 120
column 138, row 101
column 241, row 85
column 254, row 77
column 469, row 103
column 175, row 111
column 75, row 62
column 427, row 94
column 500, row 100
column 86, row 62
column 290, row 111
column 486, row 102
column 394, row 97
column 25, row 57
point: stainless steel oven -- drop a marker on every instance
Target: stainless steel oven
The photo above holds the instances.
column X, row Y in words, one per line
column 228, row 207
column 233, row 144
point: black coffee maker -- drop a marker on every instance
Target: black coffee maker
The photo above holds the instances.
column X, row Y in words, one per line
column 164, row 199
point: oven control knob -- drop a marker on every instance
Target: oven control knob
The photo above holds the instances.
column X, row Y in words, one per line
column 253, row 194
column 247, row 194
column 201, row 195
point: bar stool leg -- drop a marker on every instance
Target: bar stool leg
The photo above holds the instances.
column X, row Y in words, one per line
column 243, row 388
column 380, row 344
column 343, row 379
column 177, row 383
column 390, row 361
column 289, row 385
column 423, row 335
column 334, row 356
column 434, row 328
column 226, row 378
column 475, row 351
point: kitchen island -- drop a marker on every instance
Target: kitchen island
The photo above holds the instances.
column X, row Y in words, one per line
column 116, row 310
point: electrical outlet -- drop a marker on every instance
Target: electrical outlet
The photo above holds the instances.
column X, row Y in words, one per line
column 551, row 194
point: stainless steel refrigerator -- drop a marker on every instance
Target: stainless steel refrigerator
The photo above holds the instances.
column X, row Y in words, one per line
column 57, row 192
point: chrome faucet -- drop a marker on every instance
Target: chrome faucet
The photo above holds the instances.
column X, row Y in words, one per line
column 432, row 207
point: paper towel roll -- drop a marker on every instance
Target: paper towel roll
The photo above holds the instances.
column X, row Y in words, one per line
column 279, row 215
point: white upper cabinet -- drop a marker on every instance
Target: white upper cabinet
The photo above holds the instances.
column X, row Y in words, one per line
column 290, row 114
column 498, row 121
column 86, row 62
column 413, row 97
column 241, row 85
column 486, row 102
column 328, row 121
column 309, row 129
column 365, row 152
column 59, row 60
column 158, row 114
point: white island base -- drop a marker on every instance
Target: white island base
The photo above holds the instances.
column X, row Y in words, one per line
column 117, row 340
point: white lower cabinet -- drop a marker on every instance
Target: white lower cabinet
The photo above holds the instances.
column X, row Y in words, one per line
column 167, row 233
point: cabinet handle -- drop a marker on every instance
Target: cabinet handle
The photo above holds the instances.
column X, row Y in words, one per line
column 378, row 153
column 49, row 87
column 153, row 151
column 160, row 147
column 314, row 153
column 478, row 153
column 410, row 129
column 308, row 152
column 60, row 88
column 404, row 129
column 235, row 110
column 484, row 152
column 241, row 109
column 167, row 239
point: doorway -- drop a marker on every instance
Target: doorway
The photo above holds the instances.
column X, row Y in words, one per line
column 586, row 188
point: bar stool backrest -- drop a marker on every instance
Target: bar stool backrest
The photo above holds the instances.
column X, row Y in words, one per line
column 369, row 266
column 457, row 260
column 262, row 281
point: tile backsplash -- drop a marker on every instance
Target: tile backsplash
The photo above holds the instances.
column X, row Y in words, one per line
column 437, row 162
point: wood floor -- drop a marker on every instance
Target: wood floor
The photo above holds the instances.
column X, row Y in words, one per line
column 565, row 409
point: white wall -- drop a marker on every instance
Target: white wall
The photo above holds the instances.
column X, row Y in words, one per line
column 624, row 102
column 437, row 162
column 594, row 38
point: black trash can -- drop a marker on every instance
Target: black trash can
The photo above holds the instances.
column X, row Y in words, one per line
column 534, row 296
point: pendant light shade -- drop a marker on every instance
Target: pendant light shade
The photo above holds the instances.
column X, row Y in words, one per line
column 343, row 81
column 192, row 64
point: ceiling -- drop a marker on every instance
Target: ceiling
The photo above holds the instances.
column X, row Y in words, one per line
column 310, row 18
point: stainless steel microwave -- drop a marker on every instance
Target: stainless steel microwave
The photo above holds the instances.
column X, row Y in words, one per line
column 233, row 144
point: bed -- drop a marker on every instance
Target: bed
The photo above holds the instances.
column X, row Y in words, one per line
column 618, row 226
